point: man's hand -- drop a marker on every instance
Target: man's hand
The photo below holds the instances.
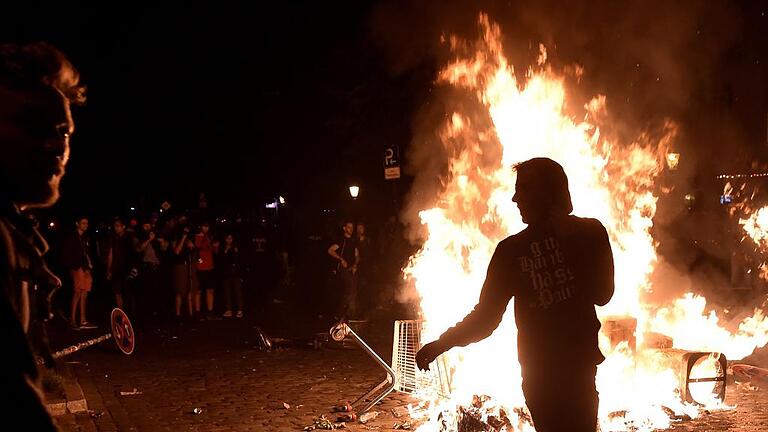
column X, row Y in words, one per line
column 344, row 263
column 427, row 354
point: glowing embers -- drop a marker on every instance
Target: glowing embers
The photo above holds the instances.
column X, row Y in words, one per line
column 482, row 415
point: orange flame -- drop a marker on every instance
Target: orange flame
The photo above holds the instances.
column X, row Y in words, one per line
column 756, row 226
column 503, row 121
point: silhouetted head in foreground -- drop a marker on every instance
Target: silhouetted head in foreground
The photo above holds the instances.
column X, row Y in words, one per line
column 37, row 86
column 541, row 190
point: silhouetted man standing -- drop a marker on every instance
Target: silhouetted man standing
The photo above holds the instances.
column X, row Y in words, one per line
column 558, row 269
column 37, row 85
column 344, row 250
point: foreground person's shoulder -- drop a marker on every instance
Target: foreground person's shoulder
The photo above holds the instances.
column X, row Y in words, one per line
column 589, row 223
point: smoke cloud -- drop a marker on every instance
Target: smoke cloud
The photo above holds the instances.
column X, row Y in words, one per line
column 653, row 60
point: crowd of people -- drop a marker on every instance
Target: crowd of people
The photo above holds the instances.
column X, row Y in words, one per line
column 182, row 268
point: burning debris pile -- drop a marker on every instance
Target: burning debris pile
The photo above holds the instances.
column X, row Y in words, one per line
column 658, row 356
column 480, row 417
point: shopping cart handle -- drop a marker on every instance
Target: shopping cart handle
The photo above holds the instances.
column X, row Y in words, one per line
column 379, row 391
column 339, row 331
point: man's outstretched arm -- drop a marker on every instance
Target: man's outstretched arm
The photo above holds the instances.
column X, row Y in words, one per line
column 479, row 323
column 604, row 281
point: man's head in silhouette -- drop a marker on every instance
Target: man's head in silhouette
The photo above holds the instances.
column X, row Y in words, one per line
column 541, row 190
column 37, row 86
column 348, row 228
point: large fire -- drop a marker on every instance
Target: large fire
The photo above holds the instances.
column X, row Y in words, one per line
column 506, row 120
column 755, row 226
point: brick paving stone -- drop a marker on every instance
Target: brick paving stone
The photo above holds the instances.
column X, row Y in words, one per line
column 239, row 388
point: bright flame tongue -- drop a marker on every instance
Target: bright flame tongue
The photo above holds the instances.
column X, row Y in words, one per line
column 755, row 226
column 609, row 180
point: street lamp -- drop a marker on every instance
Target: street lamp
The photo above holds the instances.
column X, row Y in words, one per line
column 354, row 191
column 672, row 160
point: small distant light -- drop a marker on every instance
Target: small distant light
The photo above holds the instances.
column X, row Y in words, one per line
column 272, row 205
column 282, row 200
column 52, row 224
column 161, row 210
column 133, row 208
column 690, row 201
column 673, row 159
column 354, row 191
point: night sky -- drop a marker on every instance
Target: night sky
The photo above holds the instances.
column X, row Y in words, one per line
column 244, row 103
column 250, row 101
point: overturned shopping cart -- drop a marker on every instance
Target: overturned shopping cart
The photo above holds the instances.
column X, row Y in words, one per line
column 403, row 375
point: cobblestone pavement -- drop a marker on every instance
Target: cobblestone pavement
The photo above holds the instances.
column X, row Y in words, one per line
column 216, row 367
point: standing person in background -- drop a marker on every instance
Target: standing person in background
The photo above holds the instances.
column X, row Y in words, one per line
column 149, row 249
column 365, row 264
column 121, row 269
column 205, row 248
column 262, row 266
column 344, row 251
column 183, row 271
column 78, row 258
column 229, row 266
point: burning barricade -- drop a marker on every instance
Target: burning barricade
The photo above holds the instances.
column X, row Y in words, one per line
column 663, row 361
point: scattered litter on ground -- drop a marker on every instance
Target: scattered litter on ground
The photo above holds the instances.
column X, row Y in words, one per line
column 350, row 417
column 746, row 386
column 370, row 415
column 399, row 411
column 344, row 406
column 748, row 373
column 323, row 423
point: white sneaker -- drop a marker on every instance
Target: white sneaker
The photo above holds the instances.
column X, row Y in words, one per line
column 239, row 314
column 228, row 314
